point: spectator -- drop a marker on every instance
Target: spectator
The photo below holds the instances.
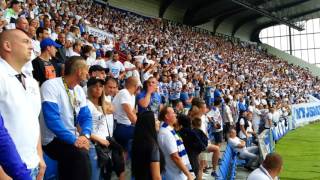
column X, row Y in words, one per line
column 195, row 141
column 177, row 162
column 43, row 67
column 149, row 99
column 227, row 118
column 147, row 158
column 111, row 88
column 97, row 71
column 116, row 68
column 270, row 168
column 64, row 108
column 76, row 48
column 22, row 24
column 175, row 89
column 239, row 146
column 61, row 53
column 102, row 132
column 41, row 33
column 215, row 122
column 184, row 96
column 11, row 14
column 124, row 114
column 17, row 91
column 243, row 125
column 9, row 157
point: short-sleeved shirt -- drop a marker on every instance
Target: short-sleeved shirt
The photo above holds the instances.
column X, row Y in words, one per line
column 154, row 104
column 115, row 68
column 184, row 96
column 217, row 118
column 168, row 145
column 123, row 97
column 44, row 70
column 175, row 90
column 234, row 142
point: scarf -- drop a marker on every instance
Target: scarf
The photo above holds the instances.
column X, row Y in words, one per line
column 181, row 149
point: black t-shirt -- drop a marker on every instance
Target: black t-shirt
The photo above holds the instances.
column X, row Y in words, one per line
column 155, row 154
column 44, row 70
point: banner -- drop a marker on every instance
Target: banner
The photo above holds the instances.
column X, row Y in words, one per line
column 305, row 113
column 102, row 35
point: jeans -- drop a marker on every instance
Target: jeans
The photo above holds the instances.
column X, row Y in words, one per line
column 34, row 173
column 124, row 135
column 250, row 154
column 95, row 170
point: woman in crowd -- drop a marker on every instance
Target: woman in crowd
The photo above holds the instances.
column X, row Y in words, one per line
column 147, row 158
column 102, row 132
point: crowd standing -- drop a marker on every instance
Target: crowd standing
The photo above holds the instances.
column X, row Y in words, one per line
column 156, row 93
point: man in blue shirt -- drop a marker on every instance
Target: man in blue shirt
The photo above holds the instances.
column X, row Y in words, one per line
column 9, row 157
column 149, row 98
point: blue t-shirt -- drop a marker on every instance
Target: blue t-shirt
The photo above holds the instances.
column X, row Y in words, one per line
column 154, row 104
column 184, row 97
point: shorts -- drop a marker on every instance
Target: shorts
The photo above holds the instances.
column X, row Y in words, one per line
column 218, row 136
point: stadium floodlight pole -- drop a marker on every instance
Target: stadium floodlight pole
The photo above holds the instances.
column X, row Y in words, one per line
column 267, row 14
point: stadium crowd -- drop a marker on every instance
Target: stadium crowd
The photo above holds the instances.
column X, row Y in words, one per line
column 154, row 93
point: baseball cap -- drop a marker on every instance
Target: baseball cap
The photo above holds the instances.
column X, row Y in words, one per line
column 48, row 42
column 94, row 80
column 96, row 68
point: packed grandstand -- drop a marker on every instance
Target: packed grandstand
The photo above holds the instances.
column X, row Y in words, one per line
column 147, row 98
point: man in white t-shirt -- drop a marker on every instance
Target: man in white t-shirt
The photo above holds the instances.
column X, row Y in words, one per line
column 20, row 100
column 239, row 146
column 116, row 68
column 129, row 67
column 270, row 168
column 176, row 165
column 125, row 114
column 216, row 123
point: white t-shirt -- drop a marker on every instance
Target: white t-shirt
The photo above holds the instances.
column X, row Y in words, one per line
column 204, row 124
column 53, row 91
column 123, row 97
column 100, row 127
column 234, row 142
column 259, row 174
column 216, row 116
column 20, row 109
column 115, row 68
column 168, row 145
column 241, row 134
column 127, row 65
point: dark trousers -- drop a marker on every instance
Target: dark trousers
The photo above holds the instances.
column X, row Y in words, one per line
column 226, row 127
column 73, row 163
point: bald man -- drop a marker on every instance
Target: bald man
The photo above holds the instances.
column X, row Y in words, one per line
column 124, row 114
column 20, row 100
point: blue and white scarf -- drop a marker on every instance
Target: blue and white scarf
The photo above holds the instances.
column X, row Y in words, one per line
column 181, row 149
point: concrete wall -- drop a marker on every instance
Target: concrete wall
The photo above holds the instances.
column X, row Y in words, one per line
column 292, row 59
